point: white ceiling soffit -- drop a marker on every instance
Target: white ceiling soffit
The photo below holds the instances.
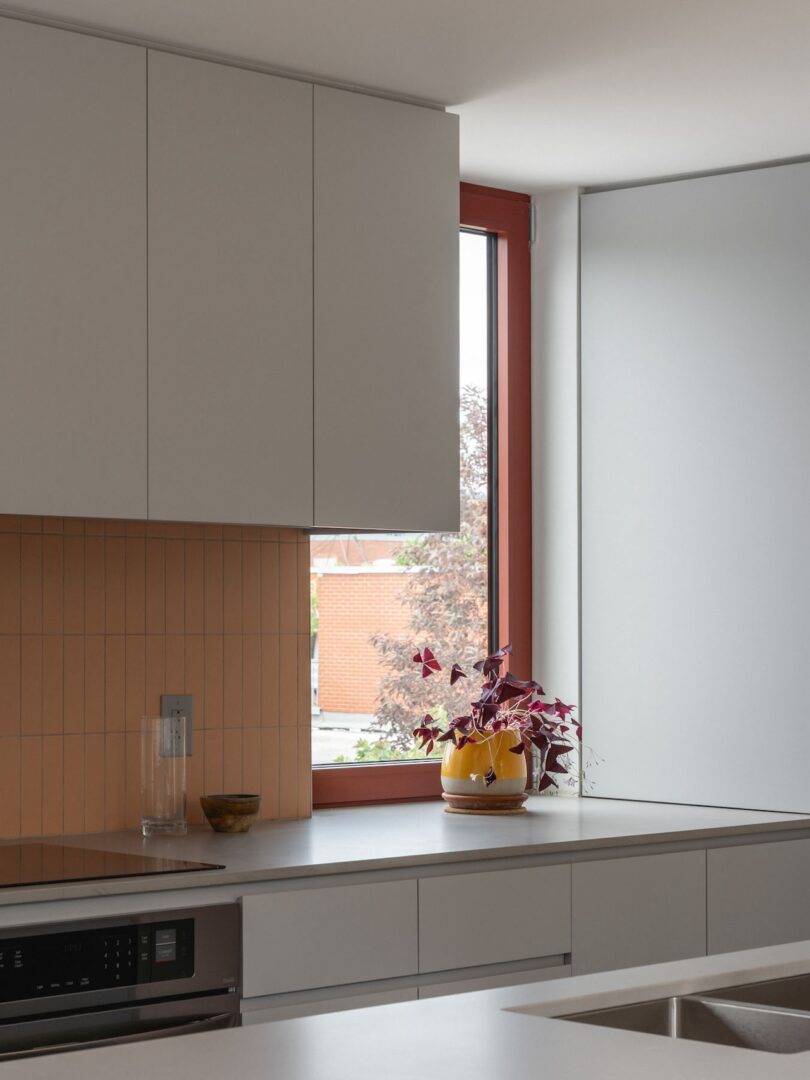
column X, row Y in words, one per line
column 550, row 92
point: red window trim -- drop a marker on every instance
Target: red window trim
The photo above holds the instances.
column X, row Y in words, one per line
column 506, row 214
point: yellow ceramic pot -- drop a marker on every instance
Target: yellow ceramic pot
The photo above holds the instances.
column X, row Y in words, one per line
column 464, row 770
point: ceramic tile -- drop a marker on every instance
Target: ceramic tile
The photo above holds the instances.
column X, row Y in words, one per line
column 135, row 686
column 288, row 588
column 52, row 685
column 175, row 615
column 73, row 585
column 52, row 559
column 94, row 687
column 9, row 787
column 31, row 684
column 114, row 683
column 9, row 583
column 232, row 588
column 232, row 761
column 31, row 584
column 10, row 663
column 115, row 584
column 73, row 807
column 194, row 587
column 251, row 680
column 251, row 588
column 31, row 785
column 214, row 665
column 270, row 773
column 232, row 681
column 73, row 682
column 94, row 783
column 52, row 784
column 135, row 585
column 213, row 590
column 115, row 802
column 155, row 586
column 270, row 588
column 94, row 587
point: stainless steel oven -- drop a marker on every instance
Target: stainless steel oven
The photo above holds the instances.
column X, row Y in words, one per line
column 68, row 986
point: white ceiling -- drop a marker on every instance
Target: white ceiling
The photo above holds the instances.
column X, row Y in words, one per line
column 550, row 92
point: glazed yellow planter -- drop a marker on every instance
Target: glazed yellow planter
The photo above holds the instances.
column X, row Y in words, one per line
column 464, row 770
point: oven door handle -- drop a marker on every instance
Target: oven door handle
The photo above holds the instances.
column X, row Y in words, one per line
column 185, row 1027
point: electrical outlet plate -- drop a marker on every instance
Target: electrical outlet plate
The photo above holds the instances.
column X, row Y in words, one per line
column 177, row 712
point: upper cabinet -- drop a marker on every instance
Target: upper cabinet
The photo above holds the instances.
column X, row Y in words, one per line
column 230, row 294
column 224, row 296
column 386, row 314
column 72, row 274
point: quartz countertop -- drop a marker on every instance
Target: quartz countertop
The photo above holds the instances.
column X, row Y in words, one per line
column 409, row 835
column 483, row 1036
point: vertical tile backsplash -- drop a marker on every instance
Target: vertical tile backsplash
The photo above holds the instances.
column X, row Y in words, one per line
column 98, row 618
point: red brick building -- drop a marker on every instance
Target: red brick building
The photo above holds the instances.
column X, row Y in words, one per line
column 354, row 603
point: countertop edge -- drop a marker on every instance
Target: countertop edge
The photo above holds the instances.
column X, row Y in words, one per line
column 219, row 878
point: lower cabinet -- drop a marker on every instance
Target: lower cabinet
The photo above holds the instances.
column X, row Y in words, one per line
column 638, row 910
column 493, row 918
column 299, row 939
column 758, row 895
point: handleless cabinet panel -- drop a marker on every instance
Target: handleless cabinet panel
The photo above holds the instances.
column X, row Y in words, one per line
column 757, row 895
column 386, row 314
column 639, row 910
column 230, row 294
column 469, row 920
column 328, row 936
column 72, row 274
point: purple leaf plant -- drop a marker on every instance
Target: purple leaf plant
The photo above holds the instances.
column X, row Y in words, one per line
column 505, row 703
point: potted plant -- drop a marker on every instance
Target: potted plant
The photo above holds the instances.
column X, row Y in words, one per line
column 484, row 763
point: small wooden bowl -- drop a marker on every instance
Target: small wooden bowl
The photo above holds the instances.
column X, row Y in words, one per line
column 230, row 813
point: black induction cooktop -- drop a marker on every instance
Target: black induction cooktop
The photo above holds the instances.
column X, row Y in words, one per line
column 32, row 863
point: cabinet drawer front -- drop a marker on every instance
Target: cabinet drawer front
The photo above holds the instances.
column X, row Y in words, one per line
column 491, row 918
column 327, row 1005
column 757, row 895
column 640, row 910
column 306, row 938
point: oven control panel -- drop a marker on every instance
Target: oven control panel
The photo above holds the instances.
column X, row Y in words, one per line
column 46, row 965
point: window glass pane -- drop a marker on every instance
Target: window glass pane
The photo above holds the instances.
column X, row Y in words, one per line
column 375, row 597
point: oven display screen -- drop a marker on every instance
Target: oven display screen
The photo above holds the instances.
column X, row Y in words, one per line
column 45, row 965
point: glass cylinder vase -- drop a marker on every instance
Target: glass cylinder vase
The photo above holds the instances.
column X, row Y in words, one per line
column 163, row 776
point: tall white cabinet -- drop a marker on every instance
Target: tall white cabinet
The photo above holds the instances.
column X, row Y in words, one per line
column 230, row 294
column 386, row 314
column 72, row 274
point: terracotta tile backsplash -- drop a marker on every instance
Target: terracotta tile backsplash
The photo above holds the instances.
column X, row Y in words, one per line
column 98, row 618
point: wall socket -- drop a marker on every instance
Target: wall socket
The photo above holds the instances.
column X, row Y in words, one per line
column 177, row 713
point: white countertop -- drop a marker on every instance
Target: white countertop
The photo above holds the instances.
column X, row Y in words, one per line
column 411, row 834
column 463, row 1037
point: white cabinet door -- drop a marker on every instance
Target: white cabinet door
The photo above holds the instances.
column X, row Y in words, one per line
column 72, row 274
column 638, row 910
column 230, row 294
column 305, row 938
column 386, row 314
column 466, row 920
column 757, row 895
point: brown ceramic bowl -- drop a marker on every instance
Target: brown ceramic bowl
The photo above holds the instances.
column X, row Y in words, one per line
column 231, row 813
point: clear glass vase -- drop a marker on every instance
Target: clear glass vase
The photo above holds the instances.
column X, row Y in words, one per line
column 163, row 776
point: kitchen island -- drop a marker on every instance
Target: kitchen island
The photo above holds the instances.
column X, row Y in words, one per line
column 479, row 1036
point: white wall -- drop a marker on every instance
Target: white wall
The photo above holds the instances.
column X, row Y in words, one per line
column 555, row 631
column 695, row 508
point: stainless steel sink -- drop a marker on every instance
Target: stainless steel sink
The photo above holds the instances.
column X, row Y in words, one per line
column 792, row 993
column 711, row 1019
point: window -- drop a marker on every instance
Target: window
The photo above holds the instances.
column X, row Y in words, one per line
column 375, row 596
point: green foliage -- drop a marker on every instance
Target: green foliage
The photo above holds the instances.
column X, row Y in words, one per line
column 382, row 751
